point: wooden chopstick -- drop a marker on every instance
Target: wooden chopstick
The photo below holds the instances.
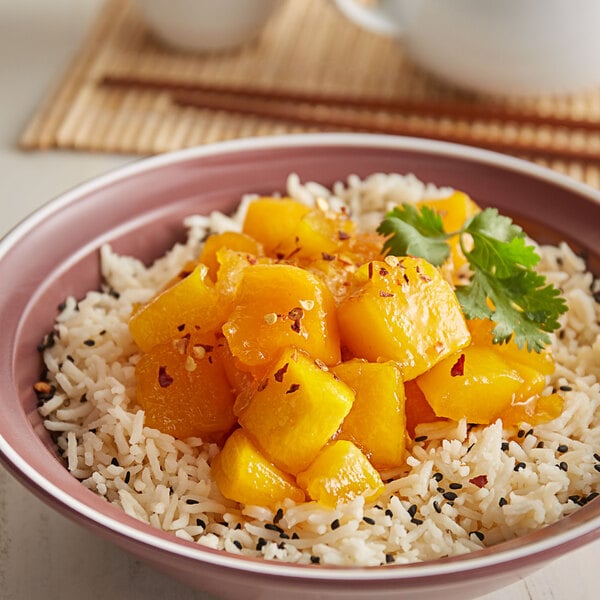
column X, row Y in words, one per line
column 449, row 109
column 328, row 120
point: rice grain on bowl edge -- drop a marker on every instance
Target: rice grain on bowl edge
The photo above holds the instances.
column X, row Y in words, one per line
column 463, row 487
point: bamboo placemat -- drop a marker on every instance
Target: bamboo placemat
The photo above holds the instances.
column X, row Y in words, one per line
column 308, row 49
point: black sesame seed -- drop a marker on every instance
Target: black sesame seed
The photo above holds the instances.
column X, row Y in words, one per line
column 440, row 490
column 315, row 560
column 562, row 448
column 438, row 477
column 478, row 534
column 295, row 536
column 576, row 500
column 281, row 545
column 504, row 446
column 416, row 521
column 389, row 513
column 540, row 444
column 529, row 432
column 70, row 358
column 502, row 502
column 520, row 433
column 389, row 558
column 597, row 467
column 469, row 448
column 563, row 466
column 284, row 536
column 565, row 388
column 412, row 510
column 597, row 457
column 114, row 461
column 89, row 342
column 436, row 507
column 171, row 490
column 455, row 486
column 191, row 501
column 273, row 527
column 519, row 465
column 421, row 438
column 83, row 399
column 450, row 496
column 237, row 544
column 261, row 543
column 335, row 524
column 127, row 477
column 591, row 496
column 200, row 523
column 369, row 521
column 278, row 516
column 238, row 526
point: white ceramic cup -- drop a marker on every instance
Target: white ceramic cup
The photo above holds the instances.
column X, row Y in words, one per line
column 206, row 25
column 500, row 47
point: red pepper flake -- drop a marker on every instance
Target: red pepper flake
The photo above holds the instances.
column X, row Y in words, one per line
column 293, row 388
column 480, row 481
column 295, row 326
column 405, row 277
column 251, row 259
column 342, row 235
column 296, row 313
column 458, row 369
column 424, row 278
column 327, row 256
column 385, row 294
column 370, row 270
column 181, row 327
column 263, row 384
column 383, row 272
column 281, row 372
column 164, row 379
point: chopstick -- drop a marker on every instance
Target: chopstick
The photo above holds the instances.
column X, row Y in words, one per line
column 449, row 109
column 300, row 108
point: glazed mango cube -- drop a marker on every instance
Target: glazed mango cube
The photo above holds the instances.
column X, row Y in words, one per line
column 295, row 410
column 188, row 305
column 475, row 383
column 402, row 310
column 231, row 240
column 270, row 221
column 454, row 211
column 244, row 475
column 376, row 422
column 279, row 306
column 183, row 389
column 317, row 234
column 535, row 410
column 417, row 408
column 340, row 473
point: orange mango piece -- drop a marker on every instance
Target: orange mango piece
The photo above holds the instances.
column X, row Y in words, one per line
column 187, row 306
column 535, row 410
column 183, row 389
column 340, row 473
column 244, row 475
column 295, row 410
column 404, row 311
column 475, row 383
column 270, row 221
column 232, row 240
column 454, row 211
column 278, row 306
column 417, row 408
column 376, row 422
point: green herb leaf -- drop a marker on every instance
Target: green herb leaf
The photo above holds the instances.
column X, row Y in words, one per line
column 503, row 286
column 416, row 233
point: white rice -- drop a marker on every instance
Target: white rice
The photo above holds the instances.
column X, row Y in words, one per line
column 534, row 476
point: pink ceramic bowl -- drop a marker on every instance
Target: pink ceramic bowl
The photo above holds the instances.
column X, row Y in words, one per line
column 138, row 209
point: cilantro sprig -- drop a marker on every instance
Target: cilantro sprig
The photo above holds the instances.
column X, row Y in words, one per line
column 503, row 287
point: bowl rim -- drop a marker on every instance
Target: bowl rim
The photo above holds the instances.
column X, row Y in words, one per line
column 470, row 562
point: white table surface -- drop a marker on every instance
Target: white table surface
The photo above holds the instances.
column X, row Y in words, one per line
column 43, row 555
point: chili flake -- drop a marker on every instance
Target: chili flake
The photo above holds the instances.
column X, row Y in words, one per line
column 164, row 379
column 458, row 369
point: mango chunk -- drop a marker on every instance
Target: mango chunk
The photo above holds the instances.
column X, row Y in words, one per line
column 279, row 306
column 188, row 305
column 376, row 422
column 340, row 473
column 270, row 221
column 233, row 241
column 403, row 311
column 183, row 389
column 475, row 383
column 295, row 410
column 535, row 410
column 417, row 408
column 244, row 475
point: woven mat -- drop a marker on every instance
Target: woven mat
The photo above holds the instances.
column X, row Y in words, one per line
column 306, row 48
